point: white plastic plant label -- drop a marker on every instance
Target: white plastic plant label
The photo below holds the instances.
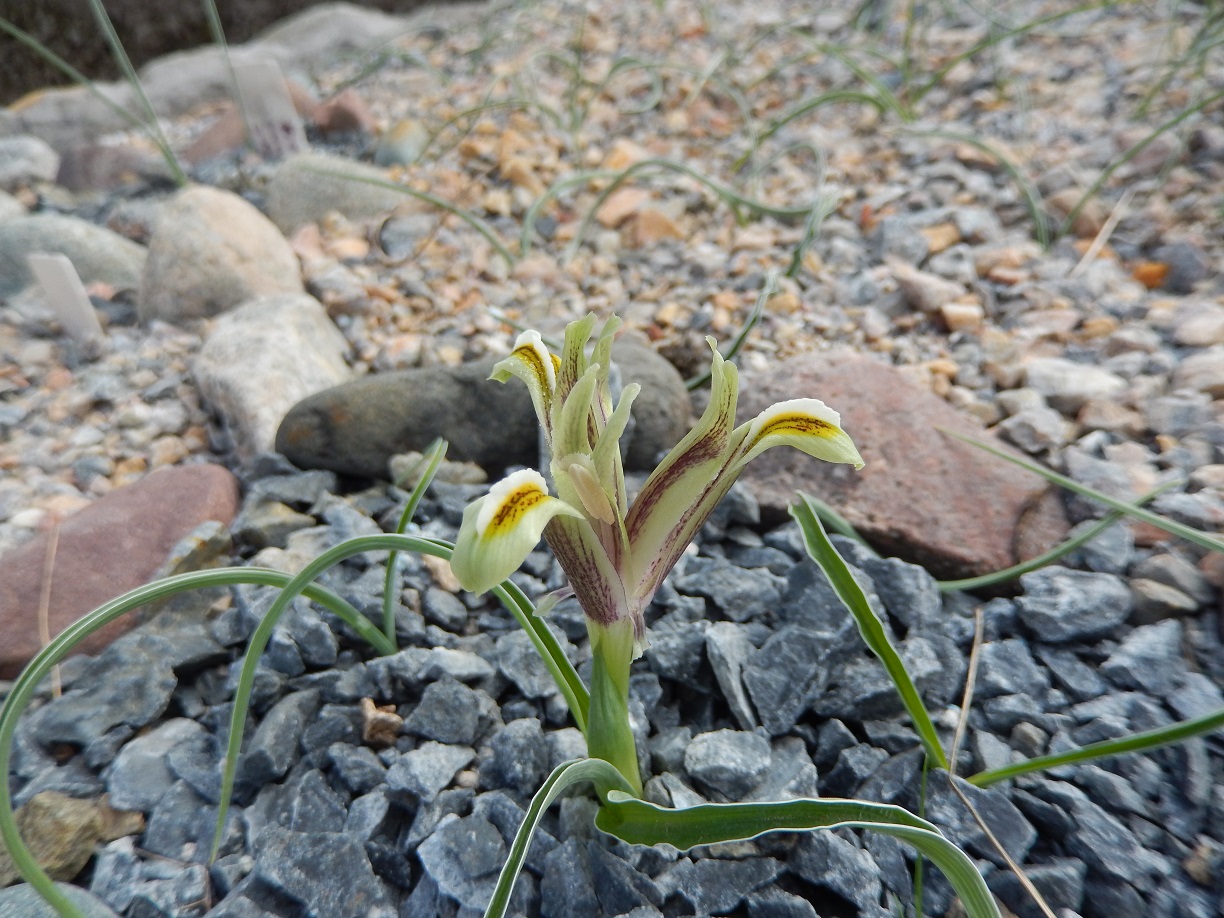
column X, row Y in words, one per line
column 273, row 124
column 66, row 297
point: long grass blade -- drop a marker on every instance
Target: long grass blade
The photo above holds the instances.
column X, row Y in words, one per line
column 730, row 196
column 1138, row 742
column 559, row 666
column 1130, row 153
column 475, row 222
column 572, row 688
column 642, row 823
column 29, row 41
column 217, row 31
column 432, row 459
column 603, row 776
column 153, row 125
column 832, row 97
column 1032, row 198
column 62, row 645
column 997, row 38
column 1049, row 557
column 768, row 289
column 1172, row 527
column 851, row 594
column 834, row 520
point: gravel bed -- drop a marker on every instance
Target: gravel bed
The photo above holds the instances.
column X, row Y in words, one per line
column 1104, row 361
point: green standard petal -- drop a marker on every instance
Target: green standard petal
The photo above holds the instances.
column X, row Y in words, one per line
column 500, row 530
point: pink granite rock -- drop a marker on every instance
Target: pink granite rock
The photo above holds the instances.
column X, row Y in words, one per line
column 115, row 544
column 923, row 496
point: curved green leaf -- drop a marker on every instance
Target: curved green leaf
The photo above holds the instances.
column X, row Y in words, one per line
column 1138, row 742
column 432, row 459
column 641, row 823
column 480, row 225
column 1190, row 534
column 603, row 776
column 732, row 198
column 1049, row 557
column 63, row 644
column 768, row 289
column 851, row 594
column 558, row 664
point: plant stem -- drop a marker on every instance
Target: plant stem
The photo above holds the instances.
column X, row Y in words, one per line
column 609, row 736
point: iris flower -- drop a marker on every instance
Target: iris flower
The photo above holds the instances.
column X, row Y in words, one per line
column 617, row 555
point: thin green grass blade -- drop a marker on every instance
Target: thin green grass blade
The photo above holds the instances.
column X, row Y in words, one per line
column 475, row 222
column 63, row 644
column 884, row 96
column 1032, row 198
column 29, row 41
column 215, row 29
column 1139, row 742
column 1206, row 40
column 1131, row 152
column 469, row 113
column 546, row 645
column 824, row 205
column 1170, row 526
column 532, row 214
column 996, row 38
column 558, row 664
column 821, row 203
column 851, row 594
column 432, row 459
column 834, row 520
column 642, row 823
column 731, row 197
column 152, row 125
column 603, row 776
column 768, row 289
column 1049, row 557
column 628, row 65
column 832, row 97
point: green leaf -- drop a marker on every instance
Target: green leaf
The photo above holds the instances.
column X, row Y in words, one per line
column 154, row 131
column 549, row 648
column 479, row 225
column 834, row 520
column 603, row 776
column 641, row 823
column 1048, row 557
column 151, row 121
column 1173, row 527
column 63, row 644
column 1138, row 742
column 732, row 198
column 259, row 639
column 1032, row 197
column 431, row 459
column 851, row 594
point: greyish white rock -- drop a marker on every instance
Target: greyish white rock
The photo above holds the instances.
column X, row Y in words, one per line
column 263, row 358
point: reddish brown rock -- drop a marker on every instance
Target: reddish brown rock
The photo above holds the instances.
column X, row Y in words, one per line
column 923, row 496
column 344, row 113
column 228, row 132
column 115, row 544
